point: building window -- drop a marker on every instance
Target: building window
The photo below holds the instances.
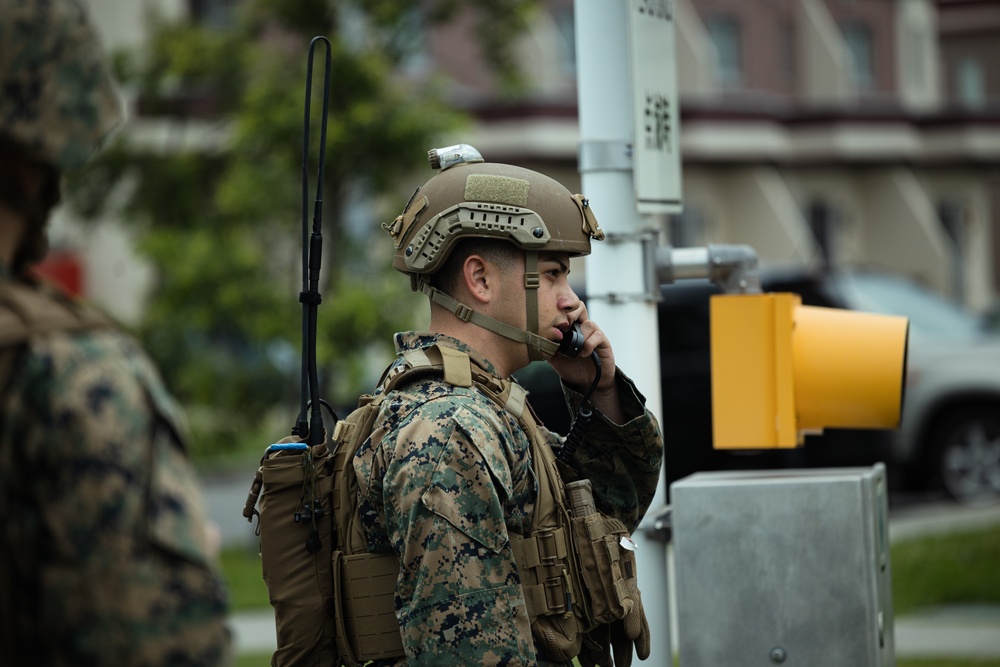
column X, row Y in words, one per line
column 563, row 17
column 951, row 214
column 215, row 13
column 858, row 39
column 824, row 221
column 970, row 84
column 724, row 31
column 409, row 41
column 787, row 52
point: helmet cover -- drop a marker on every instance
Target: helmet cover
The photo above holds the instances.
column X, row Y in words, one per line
column 57, row 97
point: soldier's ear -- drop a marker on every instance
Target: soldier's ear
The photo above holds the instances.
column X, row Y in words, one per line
column 479, row 278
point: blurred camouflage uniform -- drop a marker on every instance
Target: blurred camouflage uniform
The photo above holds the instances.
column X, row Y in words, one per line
column 105, row 551
column 447, row 475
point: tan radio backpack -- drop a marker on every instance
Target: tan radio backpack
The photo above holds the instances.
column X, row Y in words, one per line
column 334, row 601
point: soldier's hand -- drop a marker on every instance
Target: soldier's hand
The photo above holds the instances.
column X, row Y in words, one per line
column 579, row 372
column 596, row 650
column 633, row 630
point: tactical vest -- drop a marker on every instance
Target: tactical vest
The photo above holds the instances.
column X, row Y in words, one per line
column 334, row 601
column 27, row 312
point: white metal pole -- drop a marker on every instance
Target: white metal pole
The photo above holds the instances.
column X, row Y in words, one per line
column 615, row 272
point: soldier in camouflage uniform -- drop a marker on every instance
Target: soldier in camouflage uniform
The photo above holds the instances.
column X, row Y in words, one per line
column 447, row 473
column 106, row 557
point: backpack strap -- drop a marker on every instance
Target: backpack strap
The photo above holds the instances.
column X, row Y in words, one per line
column 453, row 365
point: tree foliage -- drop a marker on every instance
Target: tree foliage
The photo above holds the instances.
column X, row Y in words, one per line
column 218, row 205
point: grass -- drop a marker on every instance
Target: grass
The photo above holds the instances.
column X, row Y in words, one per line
column 241, row 570
column 959, row 568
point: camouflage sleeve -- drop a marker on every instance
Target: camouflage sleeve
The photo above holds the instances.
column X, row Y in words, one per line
column 446, row 488
column 109, row 532
column 622, row 461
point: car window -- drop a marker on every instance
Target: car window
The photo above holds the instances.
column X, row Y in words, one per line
column 931, row 316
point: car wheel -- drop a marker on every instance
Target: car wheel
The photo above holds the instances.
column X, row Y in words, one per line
column 967, row 446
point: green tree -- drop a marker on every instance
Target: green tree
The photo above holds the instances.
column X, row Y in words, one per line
column 220, row 218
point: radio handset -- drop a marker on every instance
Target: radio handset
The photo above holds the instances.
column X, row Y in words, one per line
column 572, row 342
column 570, row 346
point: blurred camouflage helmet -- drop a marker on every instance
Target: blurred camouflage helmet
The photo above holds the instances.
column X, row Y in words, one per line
column 471, row 198
column 57, row 98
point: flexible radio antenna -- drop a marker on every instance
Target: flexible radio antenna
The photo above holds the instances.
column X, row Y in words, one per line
column 312, row 251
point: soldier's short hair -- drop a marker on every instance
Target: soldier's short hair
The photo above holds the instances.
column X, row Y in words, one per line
column 505, row 255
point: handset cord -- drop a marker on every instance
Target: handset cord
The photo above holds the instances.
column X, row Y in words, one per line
column 583, row 415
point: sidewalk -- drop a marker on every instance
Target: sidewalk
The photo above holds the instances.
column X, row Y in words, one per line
column 950, row 632
column 253, row 631
column 968, row 631
column 939, row 518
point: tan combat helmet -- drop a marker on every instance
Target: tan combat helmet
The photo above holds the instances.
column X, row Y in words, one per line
column 471, row 198
column 57, row 98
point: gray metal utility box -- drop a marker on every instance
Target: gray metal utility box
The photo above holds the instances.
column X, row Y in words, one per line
column 785, row 567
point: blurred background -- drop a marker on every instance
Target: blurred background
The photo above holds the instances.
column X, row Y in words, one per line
column 855, row 144
column 833, row 136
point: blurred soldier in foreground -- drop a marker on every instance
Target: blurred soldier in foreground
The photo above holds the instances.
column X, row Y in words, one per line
column 105, row 554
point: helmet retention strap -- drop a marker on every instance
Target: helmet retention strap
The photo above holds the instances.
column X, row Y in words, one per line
column 539, row 347
column 531, row 280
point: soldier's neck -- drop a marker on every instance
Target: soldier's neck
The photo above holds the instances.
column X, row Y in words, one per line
column 11, row 232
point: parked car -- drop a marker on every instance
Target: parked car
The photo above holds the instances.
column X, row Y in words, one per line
column 949, row 438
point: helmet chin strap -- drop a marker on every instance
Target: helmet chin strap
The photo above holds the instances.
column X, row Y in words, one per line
column 539, row 347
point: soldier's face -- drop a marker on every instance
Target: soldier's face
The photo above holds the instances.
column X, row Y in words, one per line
column 557, row 302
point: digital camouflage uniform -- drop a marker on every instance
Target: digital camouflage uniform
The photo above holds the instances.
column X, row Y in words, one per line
column 104, row 545
column 103, row 540
column 446, row 475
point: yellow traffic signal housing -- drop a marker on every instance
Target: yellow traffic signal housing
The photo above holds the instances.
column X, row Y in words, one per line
column 781, row 370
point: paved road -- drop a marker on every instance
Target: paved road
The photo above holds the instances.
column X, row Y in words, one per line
column 967, row 631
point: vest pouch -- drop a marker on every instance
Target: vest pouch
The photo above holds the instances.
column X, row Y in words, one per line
column 606, row 556
column 607, row 565
column 295, row 549
column 366, row 625
column 546, row 581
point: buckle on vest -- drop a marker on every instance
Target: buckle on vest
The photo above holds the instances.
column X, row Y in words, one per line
column 548, row 548
column 556, row 595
